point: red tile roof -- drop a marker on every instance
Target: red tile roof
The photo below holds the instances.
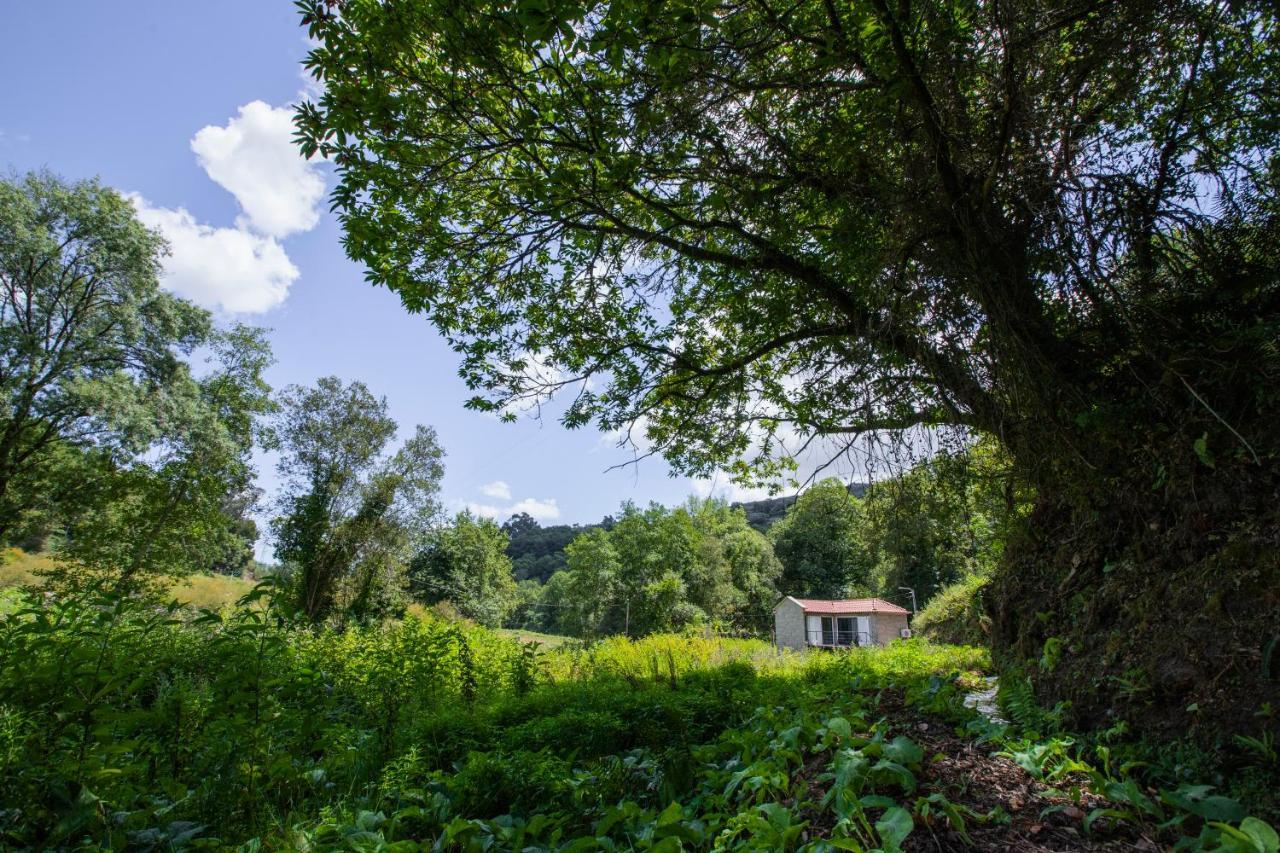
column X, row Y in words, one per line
column 849, row 605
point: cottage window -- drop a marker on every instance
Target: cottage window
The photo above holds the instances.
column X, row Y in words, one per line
column 836, row 631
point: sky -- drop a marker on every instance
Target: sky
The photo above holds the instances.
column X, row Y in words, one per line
column 186, row 107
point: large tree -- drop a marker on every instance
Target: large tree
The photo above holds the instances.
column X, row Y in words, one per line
column 352, row 513
column 91, row 349
column 658, row 569
column 109, row 433
column 735, row 580
column 167, row 511
column 1052, row 222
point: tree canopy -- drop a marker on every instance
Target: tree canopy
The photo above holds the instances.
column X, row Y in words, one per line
column 109, row 433
column 91, row 349
column 659, row 569
column 818, row 544
column 465, row 563
column 351, row 514
column 749, row 220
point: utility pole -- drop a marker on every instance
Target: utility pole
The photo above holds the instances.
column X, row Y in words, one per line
column 913, row 597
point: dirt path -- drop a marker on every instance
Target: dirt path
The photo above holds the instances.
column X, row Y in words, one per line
column 973, row 776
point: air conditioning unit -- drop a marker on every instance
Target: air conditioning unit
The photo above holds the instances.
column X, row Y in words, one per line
column 905, row 633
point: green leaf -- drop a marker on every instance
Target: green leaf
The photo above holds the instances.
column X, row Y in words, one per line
column 1196, row 799
column 673, row 813
column 904, row 751
column 1262, row 834
column 893, row 827
column 839, row 726
column 1201, row 447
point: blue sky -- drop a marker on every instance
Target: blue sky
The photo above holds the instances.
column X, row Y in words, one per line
column 185, row 105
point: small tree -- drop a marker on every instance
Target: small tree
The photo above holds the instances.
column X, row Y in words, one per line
column 466, row 563
column 590, row 583
column 657, row 549
column 817, row 542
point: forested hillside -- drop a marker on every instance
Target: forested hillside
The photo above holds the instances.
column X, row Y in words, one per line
column 538, row 552
column 761, row 514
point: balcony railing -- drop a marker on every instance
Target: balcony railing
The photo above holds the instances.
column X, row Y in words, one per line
column 836, row 639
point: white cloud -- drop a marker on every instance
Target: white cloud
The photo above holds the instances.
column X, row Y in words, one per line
column 545, row 510
column 253, row 157
column 485, row 510
column 225, row 268
column 539, row 510
column 242, row 269
column 496, row 489
column 731, row 492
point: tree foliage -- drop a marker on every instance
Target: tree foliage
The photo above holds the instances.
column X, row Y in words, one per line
column 465, row 563
column 174, row 509
column 90, row 347
column 351, row 514
column 818, row 544
column 794, row 216
column 942, row 520
column 108, row 433
column 656, row 569
column 539, row 552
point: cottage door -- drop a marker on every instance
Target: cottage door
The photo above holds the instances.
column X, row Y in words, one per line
column 813, row 630
column 864, row 630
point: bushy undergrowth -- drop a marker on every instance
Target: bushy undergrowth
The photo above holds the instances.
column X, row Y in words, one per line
column 955, row 614
column 1243, row 775
column 127, row 725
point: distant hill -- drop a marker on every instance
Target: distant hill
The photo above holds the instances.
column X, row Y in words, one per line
column 763, row 513
column 538, row 552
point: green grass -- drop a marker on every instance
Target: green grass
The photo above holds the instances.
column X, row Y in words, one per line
column 10, row 599
column 548, row 641
column 955, row 614
column 212, row 591
column 20, row 569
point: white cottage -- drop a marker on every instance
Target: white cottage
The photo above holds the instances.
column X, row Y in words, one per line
column 831, row 623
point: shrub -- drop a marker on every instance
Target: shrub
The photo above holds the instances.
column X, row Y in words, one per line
column 955, row 614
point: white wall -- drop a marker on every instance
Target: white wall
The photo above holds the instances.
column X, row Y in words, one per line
column 788, row 624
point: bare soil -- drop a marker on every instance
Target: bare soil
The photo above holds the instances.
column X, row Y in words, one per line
column 1039, row 818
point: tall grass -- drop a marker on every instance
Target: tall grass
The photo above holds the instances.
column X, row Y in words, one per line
column 19, row 569
column 127, row 724
column 210, row 591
